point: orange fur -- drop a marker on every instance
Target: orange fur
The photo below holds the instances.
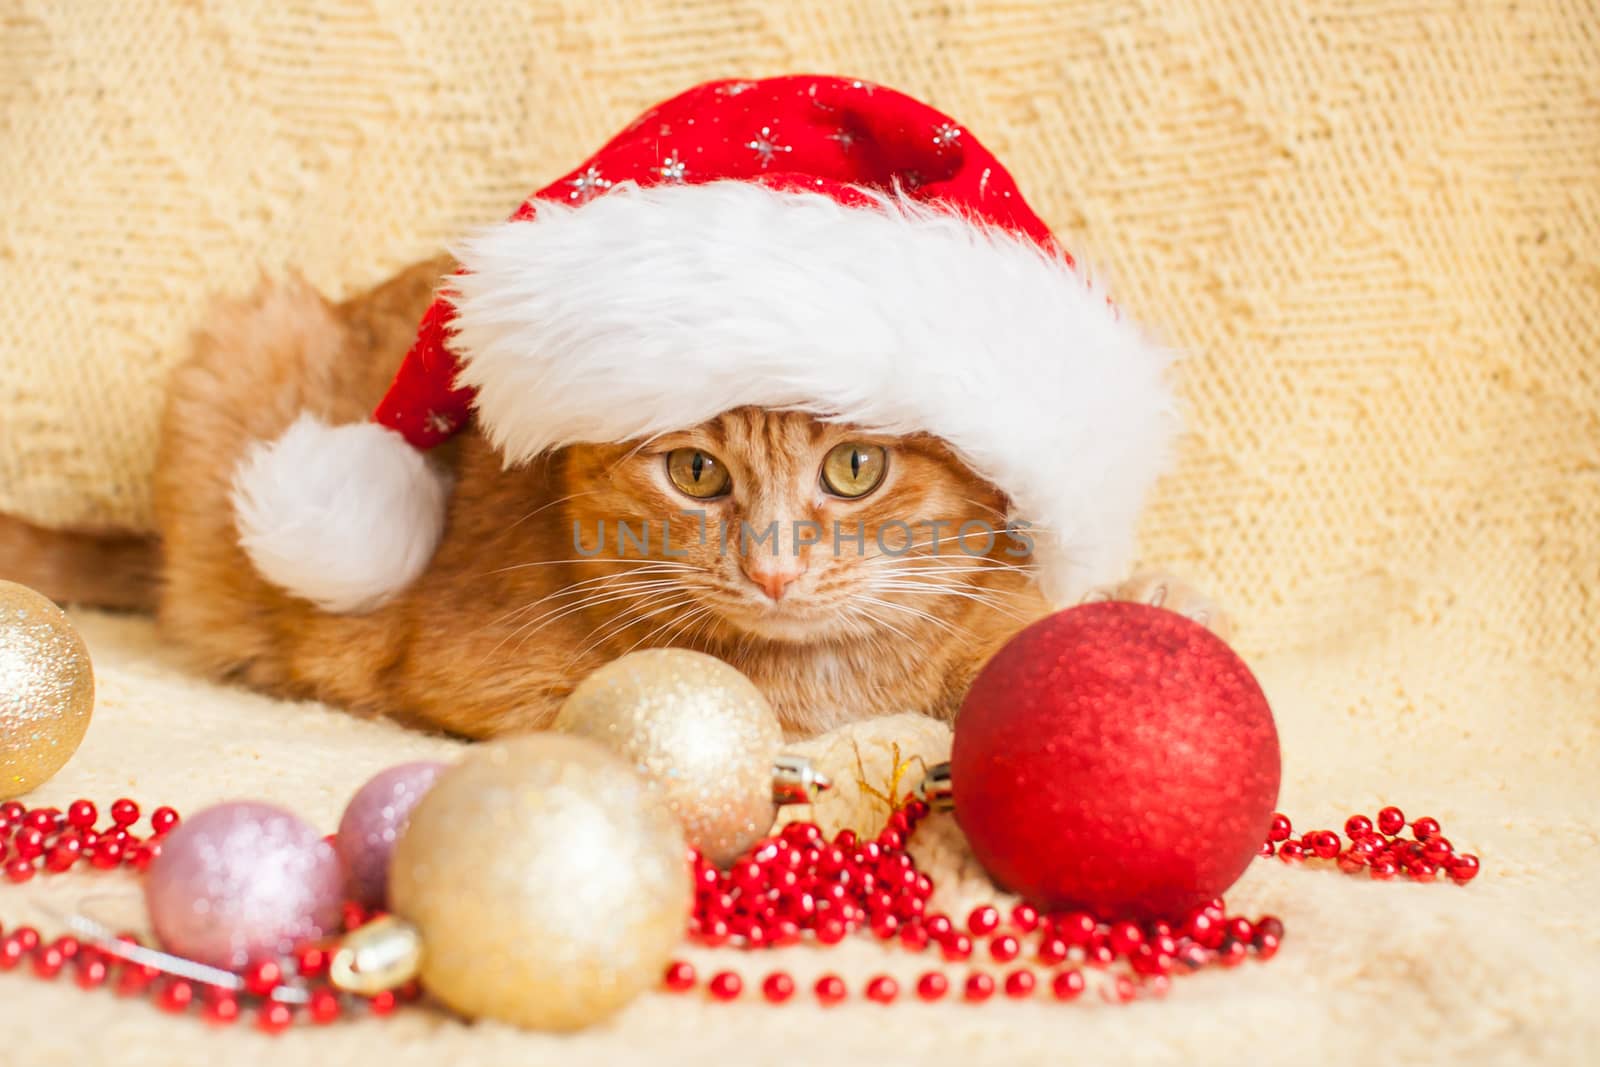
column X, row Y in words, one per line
column 510, row 614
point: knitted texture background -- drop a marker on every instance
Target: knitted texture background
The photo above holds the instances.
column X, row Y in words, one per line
column 1374, row 227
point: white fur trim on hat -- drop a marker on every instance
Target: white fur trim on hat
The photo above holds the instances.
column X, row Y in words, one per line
column 343, row 516
column 647, row 310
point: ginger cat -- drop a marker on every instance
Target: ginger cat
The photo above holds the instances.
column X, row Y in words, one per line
column 534, row 583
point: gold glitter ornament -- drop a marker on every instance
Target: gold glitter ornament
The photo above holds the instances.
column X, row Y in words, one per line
column 702, row 734
column 539, row 882
column 46, row 689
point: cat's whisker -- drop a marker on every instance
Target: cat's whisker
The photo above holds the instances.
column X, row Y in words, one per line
column 638, row 561
column 597, row 599
column 986, row 601
column 631, row 617
column 576, row 588
column 880, row 622
column 690, row 617
column 916, row 613
column 632, row 587
column 550, row 504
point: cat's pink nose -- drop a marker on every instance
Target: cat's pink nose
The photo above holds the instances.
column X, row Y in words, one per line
column 775, row 581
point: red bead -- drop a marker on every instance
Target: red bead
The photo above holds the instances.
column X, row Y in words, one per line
column 1004, row 949
column 830, row 988
column 1325, row 843
column 1052, row 950
column 882, row 989
column 324, row 1006
column 44, row 820
column 983, row 920
column 1266, row 945
column 274, row 1016
column 311, row 961
column 1437, row 848
column 19, row 870
column 48, row 961
column 914, row 937
column 27, row 936
column 13, row 811
column 382, row 1003
column 1280, row 829
column 1268, row 925
column 262, row 977
column 938, row 926
column 1425, row 828
column 1020, row 983
column 1239, row 929
column 956, row 947
column 725, row 985
column 1382, row 869
column 932, row 986
column 135, row 978
column 124, row 812
column 978, row 987
column 222, row 1008
column 885, row 926
column 354, row 915
column 830, row 931
column 679, row 976
column 163, row 819
column 82, row 814
column 1391, row 821
column 63, row 854
column 1025, row 917
column 28, row 842
column 1233, row 953
column 1126, row 937
column 1150, row 961
column 1076, row 928
column 1100, row 955
column 777, row 987
column 1464, row 868
column 1122, row 990
column 107, row 854
column 1357, row 826
column 845, row 839
column 1067, row 985
column 92, row 972
column 1203, row 929
column 11, row 952
column 715, row 932
column 176, row 995
column 1289, row 852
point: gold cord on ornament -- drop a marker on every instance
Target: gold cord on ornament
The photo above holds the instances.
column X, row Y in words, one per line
column 890, row 797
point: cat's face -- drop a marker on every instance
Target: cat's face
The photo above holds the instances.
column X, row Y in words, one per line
column 782, row 527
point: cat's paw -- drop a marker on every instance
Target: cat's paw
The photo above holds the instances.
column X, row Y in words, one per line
column 1162, row 590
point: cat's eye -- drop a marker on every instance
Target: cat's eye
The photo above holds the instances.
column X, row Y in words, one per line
column 700, row 474
column 852, row 470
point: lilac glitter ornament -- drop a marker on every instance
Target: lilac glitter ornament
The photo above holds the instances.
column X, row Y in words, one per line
column 242, row 881
column 372, row 824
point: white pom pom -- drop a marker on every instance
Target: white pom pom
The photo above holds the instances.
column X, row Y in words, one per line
column 344, row 516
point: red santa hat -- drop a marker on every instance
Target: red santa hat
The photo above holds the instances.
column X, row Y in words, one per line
column 808, row 243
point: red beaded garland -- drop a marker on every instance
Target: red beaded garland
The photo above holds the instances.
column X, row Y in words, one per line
column 795, row 885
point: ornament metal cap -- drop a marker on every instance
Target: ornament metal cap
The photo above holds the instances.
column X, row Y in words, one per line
column 935, row 791
column 381, row 955
column 796, row 781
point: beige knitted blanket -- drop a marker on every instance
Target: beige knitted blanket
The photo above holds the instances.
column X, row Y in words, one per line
column 1374, row 226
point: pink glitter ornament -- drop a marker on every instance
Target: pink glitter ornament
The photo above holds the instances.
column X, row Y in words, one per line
column 372, row 823
column 240, row 882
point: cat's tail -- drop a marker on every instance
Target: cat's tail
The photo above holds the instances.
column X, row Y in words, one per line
column 103, row 570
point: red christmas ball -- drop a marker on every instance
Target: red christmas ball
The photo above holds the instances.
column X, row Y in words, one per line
column 1115, row 757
